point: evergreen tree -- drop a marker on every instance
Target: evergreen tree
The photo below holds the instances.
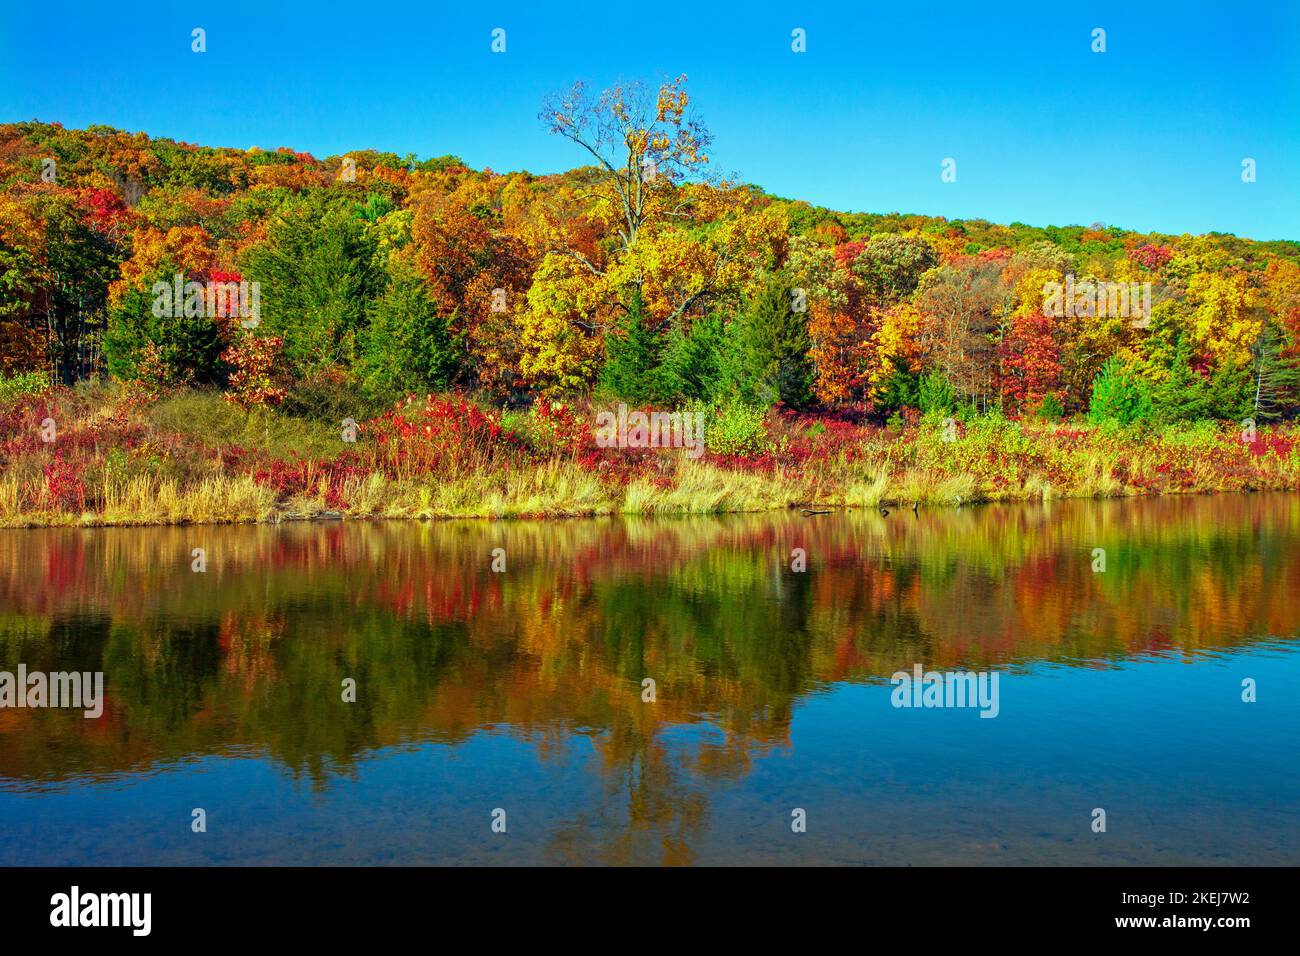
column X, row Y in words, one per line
column 190, row 347
column 900, row 389
column 318, row 272
column 692, row 362
column 1119, row 394
column 1231, row 391
column 632, row 353
column 935, row 393
column 767, row 350
column 1183, row 395
column 1276, row 375
column 408, row 346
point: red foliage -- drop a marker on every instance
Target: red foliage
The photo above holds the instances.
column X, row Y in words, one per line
column 103, row 209
column 63, row 489
column 1030, row 362
column 569, row 433
column 1150, row 256
column 1279, row 445
column 442, row 436
column 311, row 478
column 255, row 359
column 848, row 252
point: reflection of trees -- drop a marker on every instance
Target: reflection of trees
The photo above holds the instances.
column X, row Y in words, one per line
column 249, row 656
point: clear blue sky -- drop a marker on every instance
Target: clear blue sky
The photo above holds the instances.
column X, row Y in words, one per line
column 1149, row 135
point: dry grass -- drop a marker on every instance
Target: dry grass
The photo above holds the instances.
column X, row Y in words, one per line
column 866, row 493
column 171, row 477
column 215, row 500
column 700, row 488
column 143, row 500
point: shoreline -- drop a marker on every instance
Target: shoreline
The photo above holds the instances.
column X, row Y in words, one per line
column 895, row 506
column 191, row 458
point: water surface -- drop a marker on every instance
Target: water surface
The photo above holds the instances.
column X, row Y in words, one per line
column 522, row 689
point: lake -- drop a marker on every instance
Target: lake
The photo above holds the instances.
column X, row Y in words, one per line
column 500, row 676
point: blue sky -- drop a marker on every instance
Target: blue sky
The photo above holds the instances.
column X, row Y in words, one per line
column 1148, row 135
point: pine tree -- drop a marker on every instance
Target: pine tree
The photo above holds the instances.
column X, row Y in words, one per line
column 767, row 350
column 935, row 393
column 692, row 360
column 632, row 356
column 408, row 346
column 900, row 389
column 1231, row 390
column 1119, row 394
column 1183, row 395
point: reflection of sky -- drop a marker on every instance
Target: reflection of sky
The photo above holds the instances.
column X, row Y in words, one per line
column 1186, row 771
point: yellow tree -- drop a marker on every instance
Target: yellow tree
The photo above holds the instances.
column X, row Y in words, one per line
column 558, row 346
column 649, row 152
column 1224, row 319
column 895, row 346
column 186, row 248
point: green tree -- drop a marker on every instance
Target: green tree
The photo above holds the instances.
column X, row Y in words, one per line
column 1183, row 395
column 890, row 266
column 900, row 389
column 318, row 275
column 767, row 350
column 1276, row 375
column 190, row 347
column 935, row 393
column 632, row 355
column 71, row 287
column 1231, row 390
column 692, row 361
column 1119, row 394
column 407, row 346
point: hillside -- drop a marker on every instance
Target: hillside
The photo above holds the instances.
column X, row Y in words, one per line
column 410, row 275
column 191, row 333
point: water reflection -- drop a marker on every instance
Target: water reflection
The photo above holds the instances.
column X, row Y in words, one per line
column 246, row 660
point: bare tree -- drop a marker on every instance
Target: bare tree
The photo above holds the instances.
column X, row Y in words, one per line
column 644, row 144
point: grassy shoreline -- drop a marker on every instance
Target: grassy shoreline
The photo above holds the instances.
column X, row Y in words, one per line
column 184, row 513
column 190, row 458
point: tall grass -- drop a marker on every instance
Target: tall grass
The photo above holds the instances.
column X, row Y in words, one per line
column 205, row 417
column 173, row 461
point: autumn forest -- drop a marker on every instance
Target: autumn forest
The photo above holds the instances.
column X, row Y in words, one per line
column 195, row 333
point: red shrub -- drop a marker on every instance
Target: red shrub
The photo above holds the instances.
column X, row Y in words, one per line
column 442, row 436
column 63, row 489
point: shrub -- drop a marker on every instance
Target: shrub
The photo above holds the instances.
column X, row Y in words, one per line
column 256, row 363
column 1120, row 395
column 935, row 393
column 557, row 427
column 1049, row 409
column 24, row 383
column 331, row 395
column 441, row 436
column 737, row 429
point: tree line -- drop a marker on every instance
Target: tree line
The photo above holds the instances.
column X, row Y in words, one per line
column 641, row 275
